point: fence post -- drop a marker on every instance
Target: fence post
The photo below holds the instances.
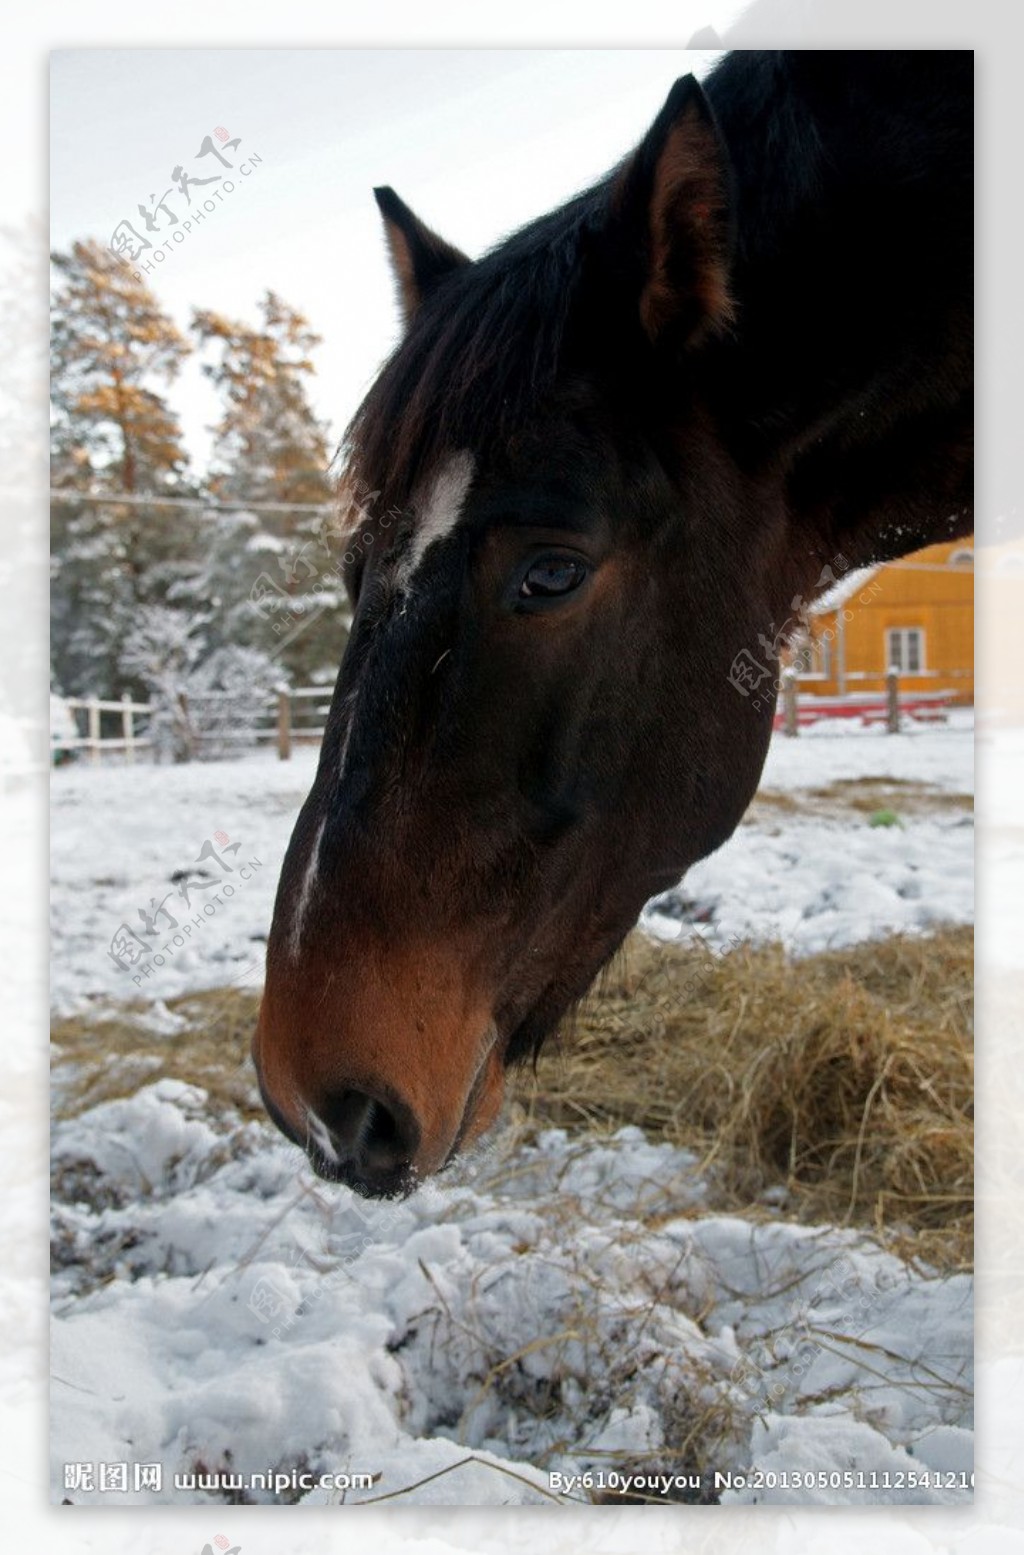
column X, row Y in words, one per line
column 128, row 725
column 892, row 689
column 284, row 725
column 791, row 724
column 93, row 710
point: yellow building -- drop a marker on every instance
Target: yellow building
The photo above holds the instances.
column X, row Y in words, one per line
column 916, row 614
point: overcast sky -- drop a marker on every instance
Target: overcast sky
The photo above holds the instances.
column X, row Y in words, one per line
column 477, row 141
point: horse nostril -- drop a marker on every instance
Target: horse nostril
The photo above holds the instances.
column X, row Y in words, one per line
column 373, row 1135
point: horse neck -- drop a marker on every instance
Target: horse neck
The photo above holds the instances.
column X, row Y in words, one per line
column 846, row 383
column 853, row 266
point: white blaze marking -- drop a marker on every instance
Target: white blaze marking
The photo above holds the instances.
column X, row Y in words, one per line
column 438, row 516
column 306, row 891
column 439, row 513
column 313, row 863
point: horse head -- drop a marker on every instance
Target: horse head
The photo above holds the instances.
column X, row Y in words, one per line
column 567, row 529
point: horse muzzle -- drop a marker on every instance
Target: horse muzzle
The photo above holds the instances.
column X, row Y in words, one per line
column 380, row 1085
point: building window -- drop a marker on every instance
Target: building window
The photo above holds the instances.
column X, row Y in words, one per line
column 905, row 649
column 811, row 656
column 962, row 558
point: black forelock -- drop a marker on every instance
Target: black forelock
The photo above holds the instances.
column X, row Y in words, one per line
column 481, row 353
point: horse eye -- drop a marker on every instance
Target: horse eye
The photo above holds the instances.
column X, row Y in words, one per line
column 552, row 576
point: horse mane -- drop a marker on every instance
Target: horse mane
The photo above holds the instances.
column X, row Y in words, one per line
column 488, row 342
column 481, row 351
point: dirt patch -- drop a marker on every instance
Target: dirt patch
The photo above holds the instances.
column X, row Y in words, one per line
column 848, row 798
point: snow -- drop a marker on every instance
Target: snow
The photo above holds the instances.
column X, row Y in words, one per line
column 819, row 885
column 841, row 591
column 120, row 834
column 822, row 881
column 837, row 749
column 571, row 1307
column 216, row 1306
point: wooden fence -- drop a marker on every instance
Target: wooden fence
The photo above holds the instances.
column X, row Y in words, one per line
column 299, row 716
column 95, row 728
column 88, row 723
column 296, row 717
column 890, row 706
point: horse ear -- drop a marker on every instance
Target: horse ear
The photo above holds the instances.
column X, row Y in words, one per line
column 672, row 197
column 419, row 257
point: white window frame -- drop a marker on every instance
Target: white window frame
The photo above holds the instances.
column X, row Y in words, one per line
column 819, row 656
column 897, row 649
column 823, row 654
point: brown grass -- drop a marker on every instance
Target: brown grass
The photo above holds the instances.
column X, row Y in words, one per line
column 846, row 1077
column 111, row 1054
column 858, row 797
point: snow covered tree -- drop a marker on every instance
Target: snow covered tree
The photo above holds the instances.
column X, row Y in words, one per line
column 137, row 579
column 231, row 696
column 161, row 650
column 271, row 448
column 206, row 703
column 112, row 433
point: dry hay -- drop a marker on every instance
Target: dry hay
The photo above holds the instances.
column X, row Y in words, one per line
column 113, row 1051
column 845, row 1076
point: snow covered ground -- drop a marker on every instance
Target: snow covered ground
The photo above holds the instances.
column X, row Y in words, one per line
column 568, row 1307
column 828, row 877
column 122, row 835
column 565, row 1308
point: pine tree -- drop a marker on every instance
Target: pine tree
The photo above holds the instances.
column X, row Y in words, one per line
column 112, row 432
column 110, row 341
column 269, row 445
column 271, row 448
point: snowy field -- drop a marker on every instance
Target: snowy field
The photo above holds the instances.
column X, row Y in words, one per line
column 556, row 1313
column 218, row 1310
column 121, row 835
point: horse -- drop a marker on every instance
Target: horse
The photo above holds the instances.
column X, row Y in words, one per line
column 603, row 467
